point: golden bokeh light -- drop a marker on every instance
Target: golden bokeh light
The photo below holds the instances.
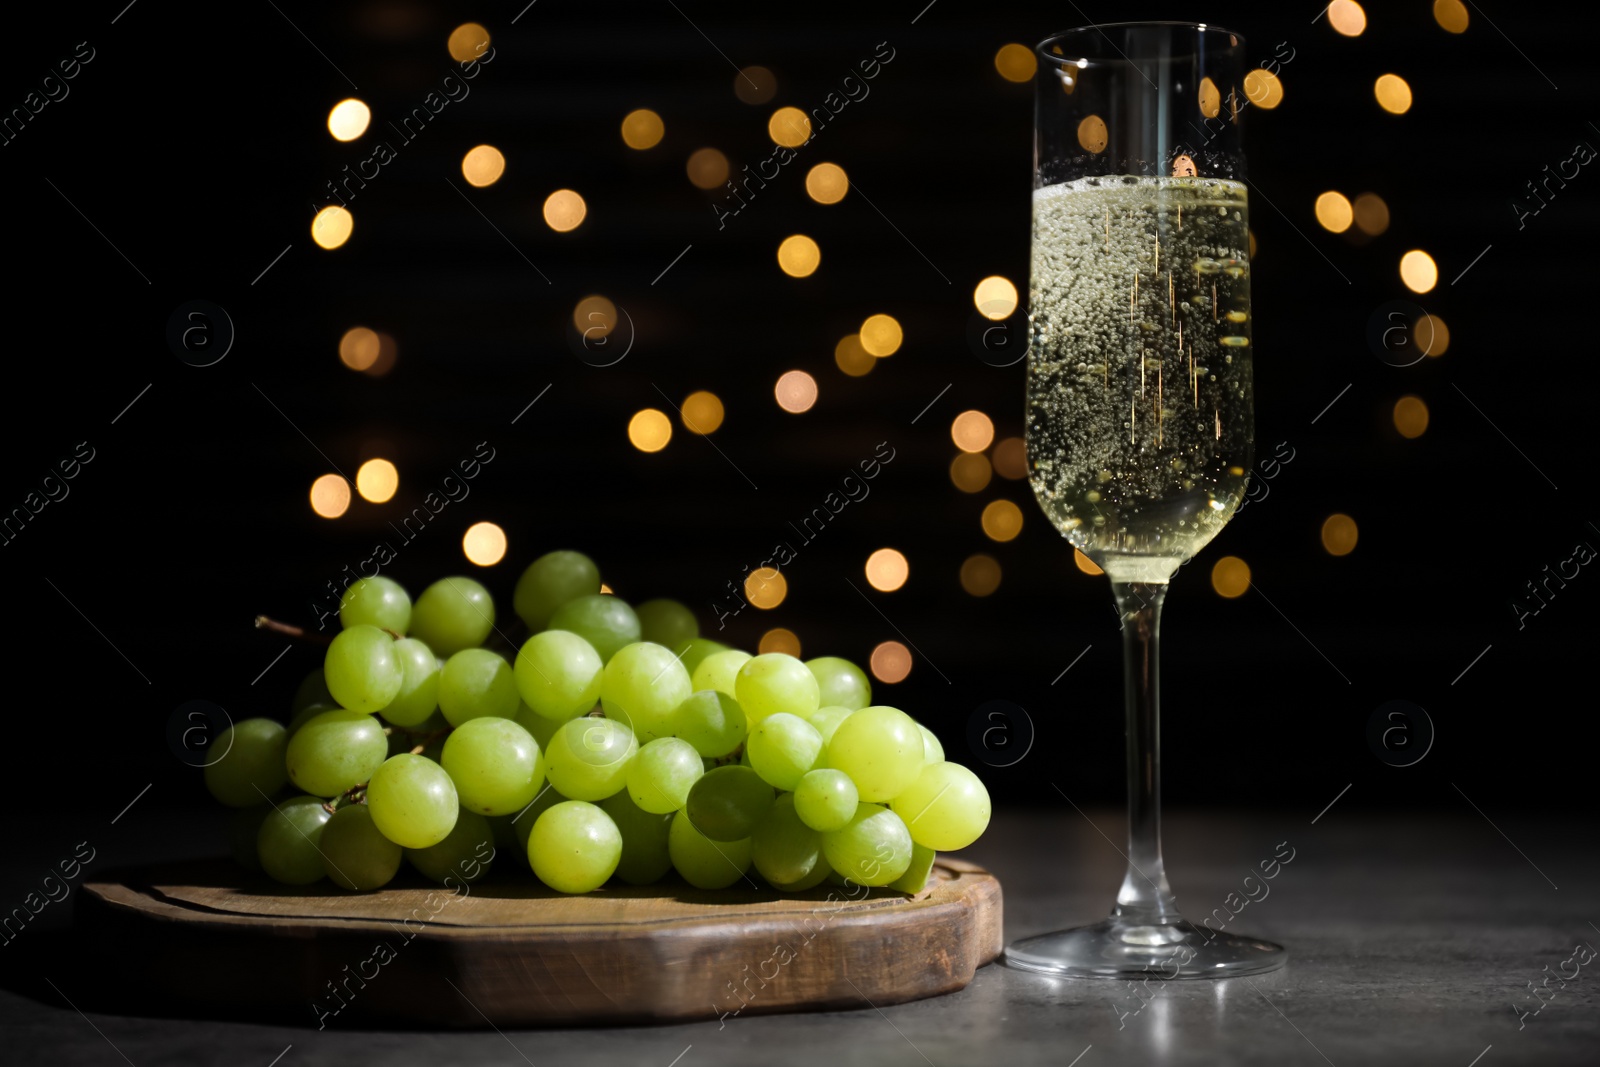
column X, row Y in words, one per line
column 796, row 391
column 331, row 227
column 780, row 640
column 1432, row 334
column 330, row 496
column 887, row 570
column 702, row 412
column 1263, row 88
column 995, row 298
column 980, row 574
column 1393, row 93
column 799, row 256
column 1418, row 271
column 594, row 316
column 890, row 662
column 707, row 168
column 484, row 543
column 1451, row 15
column 1411, row 417
column 1210, row 98
column 564, row 210
column 388, row 352
column 1252, row 234
column 377, row 480
column 1334, row 212
column 789, row 127
column 850, row 357
column 642, row 129
column 1002, row 520
column 1085, row 564
column 1346, row 17
column 483, row 165
column 972, row 431
column 1371, row 214
column 1015, row 62
column 826, row 183
column 349, row 119
column 467, row 42
column 358, row 348
column 881, row 335
column 1011, row 458
column 755, row 85
column 1339, row 535
column 1230, row 577
column 765, row 587
column 970, row 472
column 649, row 430
column 1092, row 134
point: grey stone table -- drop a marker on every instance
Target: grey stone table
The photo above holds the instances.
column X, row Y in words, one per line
column 1413, row 939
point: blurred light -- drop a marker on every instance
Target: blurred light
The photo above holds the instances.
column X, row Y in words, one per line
column 826, row 183
column 702, row 412
column 995, row 298
column 607, row 590
column 649, row 430
column 331, row 227
column 594, row 316
column 483, row 165
column 796, row 391
column 1015, row 62
column 780, row 640
column 484, row 544
column 765, row 587
column 1393, row 94
column 972, row 431
column 707, row 168
column 1334, row 212
column 377, row 480
column 1085, row 564
column 1002, row 520
column 330, row 496
column 852, row 358
column 887, row 570
column 1432, row 334
column 564, row 210
column 1263, row 88
column 1339, row 535
column 755, row 85
column 642, row 129
column 1092, row 133
column 349, row 119
column 891, row 662
column 1371, row 214
column 881, row 335
column 970, row 472
column 1411, row 417
column 358, row 348
column 1230, row 577
column 1418, row 271
column 1011, row 458
column 1210, row 98
column 468, row 41
column 1252, row 234
column 799, row 256
column 1346, row 17
column 388, row 351
column 789, row 127
column 1451, row 15
column 980, row 575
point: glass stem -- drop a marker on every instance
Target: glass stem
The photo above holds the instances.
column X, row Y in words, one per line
column 1145, row 897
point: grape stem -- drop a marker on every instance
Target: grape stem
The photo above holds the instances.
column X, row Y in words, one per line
column 300, row 633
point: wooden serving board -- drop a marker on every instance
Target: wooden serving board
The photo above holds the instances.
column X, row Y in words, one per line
column 510, row 952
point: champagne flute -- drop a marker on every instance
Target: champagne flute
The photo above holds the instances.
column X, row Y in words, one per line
column 1140, row 430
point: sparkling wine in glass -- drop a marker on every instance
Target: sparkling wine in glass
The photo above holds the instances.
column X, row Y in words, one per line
column 1139, row 421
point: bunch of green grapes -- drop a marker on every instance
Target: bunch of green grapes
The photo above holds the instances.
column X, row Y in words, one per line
column 616, row 743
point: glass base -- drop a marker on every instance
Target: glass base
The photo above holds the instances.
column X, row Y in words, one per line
column 1117, row 948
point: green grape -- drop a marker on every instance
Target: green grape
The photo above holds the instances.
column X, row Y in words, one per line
column 873, row 849
column 695, row 652
column 558, row 674
column 826, row 799
column 244, row 827
column 363, row 669
column 313, row 689
column 413, row 801
column 667, row 623
column 309, row 712
column 774, row 682
column 661, row 775
column 521, row 824
column 786, row 851
column 335, row 751
column 702, row 862
column 946, row 808
column 642, row 686
column 541, row 728
column 452, row 614
column 379, row 601
column 645, row 858
column 462, row 857
column 840, row 682
column 881, row 749
column 354, row 854
column 915, row 880
column 496, row 765
column 720, row 671
column 549, row 582
column 605, row 621
column 476, row 682
column 286, row 845
column 250, row 769
column 419, row 686
column 711, row 721
column 783, row 748
column 727, row 803
column 574, row 847
column 827, row 720
column 588, row 759
column 932, row 749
